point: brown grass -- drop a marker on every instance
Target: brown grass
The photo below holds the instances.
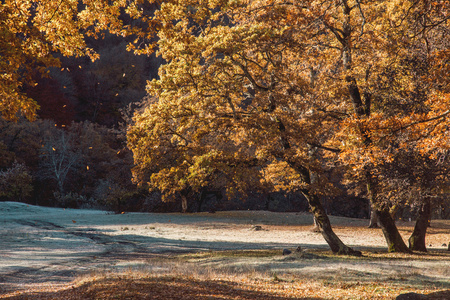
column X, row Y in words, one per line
column 132, row 286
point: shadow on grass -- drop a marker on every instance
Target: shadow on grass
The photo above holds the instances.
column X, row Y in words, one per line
column 157, row 288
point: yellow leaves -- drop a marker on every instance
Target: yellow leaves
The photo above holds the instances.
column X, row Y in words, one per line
column 226, row 88
column 282, row 176
column 30, row 32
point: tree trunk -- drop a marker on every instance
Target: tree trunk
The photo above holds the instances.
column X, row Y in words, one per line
column 417, row 238
column 320, row 216
column 184, row 204
column 323, row 222
column 393, row 211
column 316, row 227
column 390, row 231
column 391, row 234
column 373, row 223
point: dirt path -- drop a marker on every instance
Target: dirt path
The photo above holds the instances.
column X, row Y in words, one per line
column 55, row 246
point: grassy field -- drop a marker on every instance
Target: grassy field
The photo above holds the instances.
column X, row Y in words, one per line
column 51, row 253
column 259, row 274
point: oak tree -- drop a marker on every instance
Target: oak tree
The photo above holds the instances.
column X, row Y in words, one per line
column 266, row 83
column 394, row 103
column 234, row 104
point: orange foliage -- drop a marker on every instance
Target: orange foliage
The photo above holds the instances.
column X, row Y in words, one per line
column 275, row 79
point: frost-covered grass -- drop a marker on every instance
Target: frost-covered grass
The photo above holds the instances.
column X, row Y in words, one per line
column 258, row 274
column 54, row 253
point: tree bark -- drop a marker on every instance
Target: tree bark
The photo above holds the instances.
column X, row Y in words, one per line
column 316, row 227
column 417, row 238
column 323, row 222
column 373, row 223
column 390, row 231
column 184, row 204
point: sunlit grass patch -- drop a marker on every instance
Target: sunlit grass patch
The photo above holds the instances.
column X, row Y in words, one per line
column 182, row 277
column 232, row 253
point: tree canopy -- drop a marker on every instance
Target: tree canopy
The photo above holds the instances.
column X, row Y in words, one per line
column 33, row 34
column 263, row 86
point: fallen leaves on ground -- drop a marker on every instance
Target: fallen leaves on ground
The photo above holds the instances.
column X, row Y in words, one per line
column 187, row 288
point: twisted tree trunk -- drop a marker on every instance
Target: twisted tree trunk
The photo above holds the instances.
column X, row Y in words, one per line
column 322, row 220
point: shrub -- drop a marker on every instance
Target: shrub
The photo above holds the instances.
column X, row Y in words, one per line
column 74, row 200
column 15, row 183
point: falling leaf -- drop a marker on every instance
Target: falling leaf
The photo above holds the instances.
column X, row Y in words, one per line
column 73, row 221
column 53, row 148
column 87, row 168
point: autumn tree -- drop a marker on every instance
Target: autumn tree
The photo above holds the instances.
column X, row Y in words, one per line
column 104, row 167
column 19, row 142
column 271, row 81
column 34, row 33
column 233, row 106
column 387, row 86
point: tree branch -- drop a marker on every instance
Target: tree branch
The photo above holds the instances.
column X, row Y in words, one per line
column 441, row 116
